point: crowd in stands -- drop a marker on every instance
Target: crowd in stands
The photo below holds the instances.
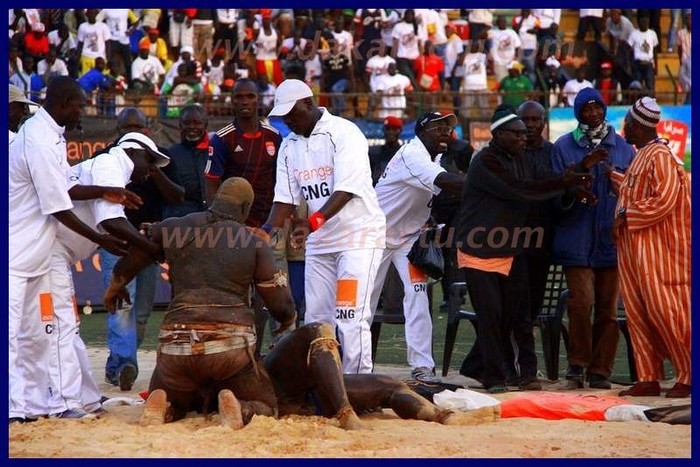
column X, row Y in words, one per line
column 406, row 60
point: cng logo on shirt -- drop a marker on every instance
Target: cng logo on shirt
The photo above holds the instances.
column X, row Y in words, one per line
column 346, row 299
column 417, row 277
column 316, row 191
column 314, row 182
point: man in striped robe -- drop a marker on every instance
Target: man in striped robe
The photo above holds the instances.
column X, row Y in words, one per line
column 652, row 226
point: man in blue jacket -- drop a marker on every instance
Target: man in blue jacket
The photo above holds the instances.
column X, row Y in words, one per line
column 583, row 242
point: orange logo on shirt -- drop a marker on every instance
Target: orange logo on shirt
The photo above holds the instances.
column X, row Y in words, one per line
column 270, row 146
column 46, row 307
column 346, row 295
column 416, row 275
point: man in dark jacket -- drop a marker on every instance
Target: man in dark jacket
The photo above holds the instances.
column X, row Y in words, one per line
column 492, row 234
column 190, row 157
column 583, row 242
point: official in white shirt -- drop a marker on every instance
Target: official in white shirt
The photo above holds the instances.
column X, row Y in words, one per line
column 325, row 160
column 411, row 179
column 38, row 201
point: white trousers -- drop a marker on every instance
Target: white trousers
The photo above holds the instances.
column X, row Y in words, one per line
column 30, row 333
column 338, row 287
column 73, row 386
column 419, row 325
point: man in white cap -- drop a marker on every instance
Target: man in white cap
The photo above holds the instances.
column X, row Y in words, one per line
column 652, row 226
column 405, row 191
column 18, row 109
column 97, row 187
column 325, row 160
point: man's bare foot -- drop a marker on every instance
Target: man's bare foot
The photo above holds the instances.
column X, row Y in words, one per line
column 156, row 409
column 230, row 410
column 349, row 420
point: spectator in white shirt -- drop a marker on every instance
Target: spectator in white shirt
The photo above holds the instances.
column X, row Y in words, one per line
column 644, row 42
column 51, row 66
column 92, row 40
column 406, row 46
column 526, row 26
column 505, row 44
column 147, row 72
column 573, row 86
column 474, row 85
column 393, row 87
column 378, row 65
column 454, row 49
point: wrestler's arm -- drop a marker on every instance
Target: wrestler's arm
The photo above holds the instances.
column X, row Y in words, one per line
column 126, row 269
column 278, row 214
column 271, row 284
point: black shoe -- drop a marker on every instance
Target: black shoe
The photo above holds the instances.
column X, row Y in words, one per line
column 598, row 382
column 574, row 372
column 127, row 377
column 444, row 307
column 574, row 377
column 514, row 381
column 497, row 389
column 530, row 383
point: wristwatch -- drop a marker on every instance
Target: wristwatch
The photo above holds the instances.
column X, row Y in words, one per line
column 622, row 213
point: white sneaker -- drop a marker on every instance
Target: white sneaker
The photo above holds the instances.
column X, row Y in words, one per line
column 73, row 413
column 425, row 375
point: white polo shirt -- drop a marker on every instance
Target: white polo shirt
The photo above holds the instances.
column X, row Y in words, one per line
column 333, row 158
column 405, row 190
column 113, row 168
column 37, row 185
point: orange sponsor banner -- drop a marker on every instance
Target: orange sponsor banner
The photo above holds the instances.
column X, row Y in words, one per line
column 346, row 295
column 676, row 133
column 416, row 276
column 46, row 307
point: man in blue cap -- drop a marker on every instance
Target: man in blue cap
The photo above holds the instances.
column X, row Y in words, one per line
column 583, row 242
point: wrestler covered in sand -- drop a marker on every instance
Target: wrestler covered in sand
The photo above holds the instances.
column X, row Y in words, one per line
column 205, row 358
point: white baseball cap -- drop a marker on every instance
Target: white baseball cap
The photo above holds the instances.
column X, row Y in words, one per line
column 287, row 94
column 135, row 140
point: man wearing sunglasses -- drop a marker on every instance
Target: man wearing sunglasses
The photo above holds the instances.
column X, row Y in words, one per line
column 492, row 238
column 405, row 191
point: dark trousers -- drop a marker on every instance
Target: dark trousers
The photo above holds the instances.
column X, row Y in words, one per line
column 644, row 73
column 501, row 306
column 593, row 345
column 587, row 22
column 537, row 272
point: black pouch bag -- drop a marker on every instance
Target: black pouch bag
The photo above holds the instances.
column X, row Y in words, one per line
column 426, row 255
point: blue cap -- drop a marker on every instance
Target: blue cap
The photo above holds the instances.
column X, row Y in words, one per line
column 585, row 96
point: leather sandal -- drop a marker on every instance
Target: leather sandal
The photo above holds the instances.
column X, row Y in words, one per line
column 679, row 391
column 643, row 389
